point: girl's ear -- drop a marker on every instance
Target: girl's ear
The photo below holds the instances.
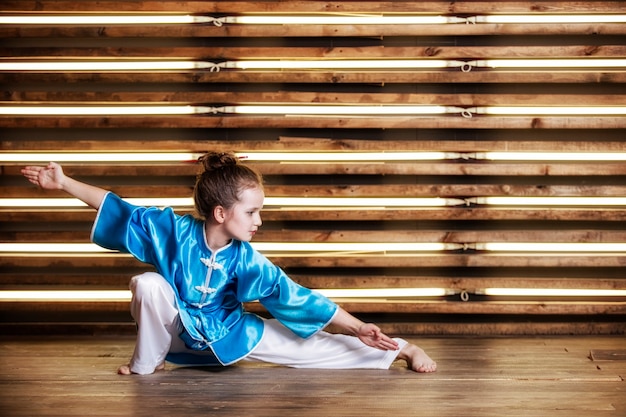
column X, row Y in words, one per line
column 219, row 214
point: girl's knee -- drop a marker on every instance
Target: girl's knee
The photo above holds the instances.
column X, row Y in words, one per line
column 145, row 283
column 151, row 293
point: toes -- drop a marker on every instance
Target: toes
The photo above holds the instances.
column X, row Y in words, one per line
column 427, row 368
column 430, row 367
column 124, row 370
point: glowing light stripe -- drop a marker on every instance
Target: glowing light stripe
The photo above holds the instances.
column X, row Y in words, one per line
column 336, row 202
column 549, row 201
column 103, row 66
column 550, row 63
column 340, row 20
column 552, row 292
column 305, row 202
column 332, row 110
column 69, row 248
column 550, row 110
column 346, row 156
column 18, row 247
column 384, row 292
column 297, row 109
column 548, row 247
column 41, row 202
column 381, row 293
column 86, row 19
column 125, row 295
column 122, row 157
column 66, row 296
column 391, row 64
column 372, row 293
column 553, row 18
column 304, row 157
column 103, row 19
column 74, row 202
column 361, row 202
column 146, row 65
column 41, row 157
column 360, row 247
column 125, row 110
column 342, row 64
column 88, row 110
column 549, row 156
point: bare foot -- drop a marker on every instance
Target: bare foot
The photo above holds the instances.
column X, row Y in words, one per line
column 125, row 369
column 417, row 359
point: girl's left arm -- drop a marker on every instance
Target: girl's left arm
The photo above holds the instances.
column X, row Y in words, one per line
column 300, row 309
column 368, row 333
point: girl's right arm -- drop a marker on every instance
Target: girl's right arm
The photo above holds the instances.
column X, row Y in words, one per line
column 52, row 177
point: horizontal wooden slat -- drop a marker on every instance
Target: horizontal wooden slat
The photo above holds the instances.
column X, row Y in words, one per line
column 496, row 214
column 486, row 307
column 227, row 53
column 429, row 7
column 222, row 98
column 398, row 122
column 526, row 326
column 584, row 326
column 460, row 236
column 26, row 142
column 513, row 260
column 587, row 325
column 589, row 280
column 436, row 214
column 367, row 306
column 72, row 278
column 538, row 259
column 337, row 235
column 389, row 190
column 374, row 31
column 420, row 168
column 328, row 77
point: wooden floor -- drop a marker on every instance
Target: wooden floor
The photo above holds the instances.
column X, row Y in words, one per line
column 75, row 376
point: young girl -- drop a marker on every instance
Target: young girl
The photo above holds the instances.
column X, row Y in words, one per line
column 191, row 311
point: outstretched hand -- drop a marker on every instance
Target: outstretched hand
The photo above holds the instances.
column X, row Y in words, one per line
column 371, row 335
column 49, row 177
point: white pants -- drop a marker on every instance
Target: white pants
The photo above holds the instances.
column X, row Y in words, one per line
column 158, row 325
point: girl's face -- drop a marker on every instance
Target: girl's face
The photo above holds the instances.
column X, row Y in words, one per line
column 243, row 219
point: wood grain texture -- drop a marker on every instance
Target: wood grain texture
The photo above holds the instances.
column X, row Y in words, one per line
column 552, row 377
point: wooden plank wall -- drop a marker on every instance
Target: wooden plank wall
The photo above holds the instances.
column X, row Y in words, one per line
column 465, row 271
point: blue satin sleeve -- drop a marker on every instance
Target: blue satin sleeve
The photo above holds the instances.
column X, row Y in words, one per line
column 302, row 310
column 127, row 228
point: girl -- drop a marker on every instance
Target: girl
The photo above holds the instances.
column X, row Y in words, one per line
column 191, row 311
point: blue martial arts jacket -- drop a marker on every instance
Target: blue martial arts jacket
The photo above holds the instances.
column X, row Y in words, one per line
column 210, row 286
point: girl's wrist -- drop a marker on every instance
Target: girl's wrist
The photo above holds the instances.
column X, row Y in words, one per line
column 358, row 328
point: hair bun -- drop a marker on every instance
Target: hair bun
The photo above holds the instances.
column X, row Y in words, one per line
column 217, row 160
